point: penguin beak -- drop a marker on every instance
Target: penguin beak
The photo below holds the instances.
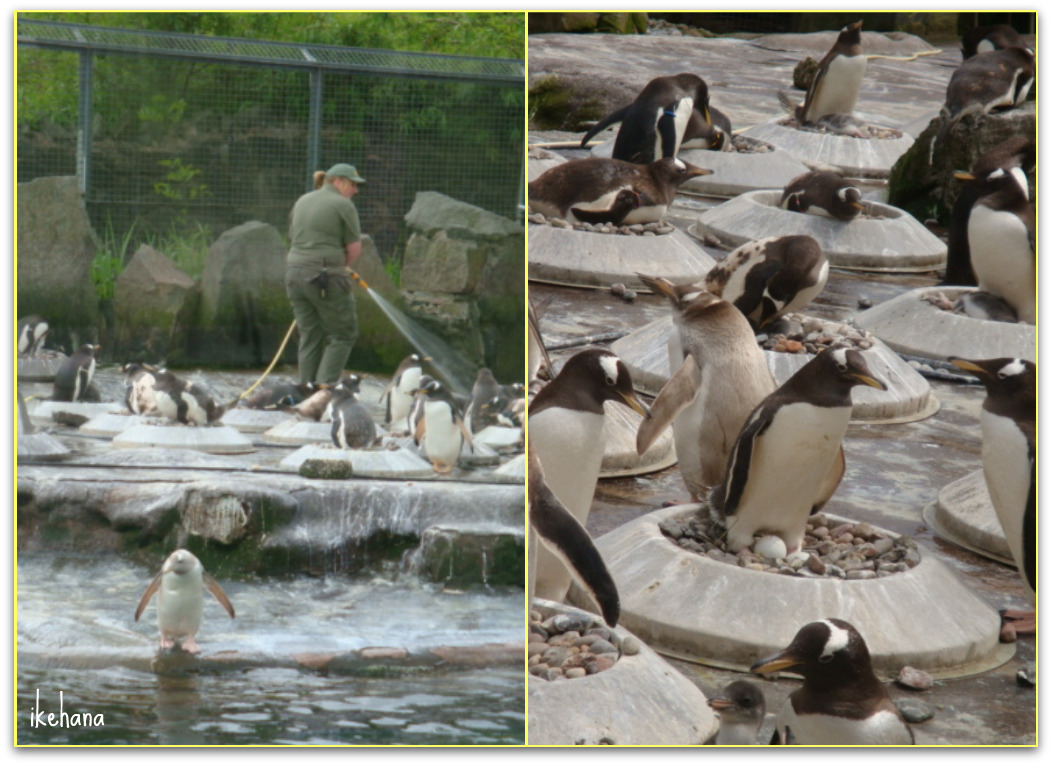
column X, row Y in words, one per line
column 872, row 382
column 719, row 703
column 856, row 25
column 694, row 172
column 633, row 402
column 708, row 117
column 963, row 175
column 858, row 205
column 968, row 366
column 779, row 661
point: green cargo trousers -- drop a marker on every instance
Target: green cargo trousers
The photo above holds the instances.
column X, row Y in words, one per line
column 328, row 325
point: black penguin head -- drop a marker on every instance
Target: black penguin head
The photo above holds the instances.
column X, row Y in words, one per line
column 828, row 652
column 675, row 171
column 851, row 198
column 851, row 34
column 598, row 375
column 851, row 368
column 1002, row 377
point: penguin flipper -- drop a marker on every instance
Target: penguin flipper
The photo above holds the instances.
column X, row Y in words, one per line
column 611, row 119
column 151, row 590
column 745, row 448
column 217, row 592
column 675, row 396
column 466, row 433
column 419, row 431
column 1030, row 530
column 666, row 129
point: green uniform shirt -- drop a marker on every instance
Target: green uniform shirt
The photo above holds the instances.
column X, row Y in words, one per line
column 322, row 223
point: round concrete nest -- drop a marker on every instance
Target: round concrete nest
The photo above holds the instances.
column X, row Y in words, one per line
column 296, row 432
column 640, row 700
column 619, row 449
column 109, row 424
column 255, row 420
column 964, row 515
column 694, row 608
column 588, row 259
column 909, row 396
column 915, row 327
column 46, row 411
column 859, row 157
column 371, row 463
column 40, row 368
column 213, row 440
column 887, row 240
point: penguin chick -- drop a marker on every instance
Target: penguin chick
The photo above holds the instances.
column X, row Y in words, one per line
column 74, row 376
column 179, row 588
column 1000, row 79
column 741, row 707
column 834, row 88
column 822, row 192
column 841, row 701
column 398, row 395
column 842, row 124
column 30, row 335
column 441, row 431
column 352, row 425
column 139, row 395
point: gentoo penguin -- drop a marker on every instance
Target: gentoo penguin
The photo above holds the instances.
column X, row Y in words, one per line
column 843, row 124
column 593, row 184
column 652, row 126
column 487, row 401
column 999, row 79
column 416, row 409
column 986, row 39
column 822, row 192
column 841, row 701
column 1008, row 421
column 441, row 430
column 625, row 202
column 538, row 363
column 1016, row 152
column 180, row 600
column 1001, row 240
column 280, row 395
column 316, row 405
column 352, row 425
column 770, row 277
column 183, row 401
column 31, row 333
column 139, row 384
column 718, row 376
column 741, row 707
column 834, row 89
column 783, row 456
column 566, row 425
column 715, row 135
column 567, row 539
column 399, row 392
column 74, row 376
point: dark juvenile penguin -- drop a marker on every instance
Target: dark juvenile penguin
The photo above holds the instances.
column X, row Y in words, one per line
column 487, row 401
column 986, row 39
column 653, row 126
column 1008, row 421
column 280, row 395
column 139, row 395
column 568, row 540
column 718, row 375
column 770, row 277
column 841, row 701
column 781, row 462
column 352, row 425
column 74, row 376
column 31, row 333
column 183, row 401
column 441, row 430
column 400, row 391
column 593, row 184
column 625, row 202
column 834, row 89
column 741, row 707
column 538, row 364
column 822, row 192
column 999, row 79
column 566, row 425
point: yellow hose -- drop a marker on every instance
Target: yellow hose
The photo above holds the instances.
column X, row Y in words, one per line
column 273, row 362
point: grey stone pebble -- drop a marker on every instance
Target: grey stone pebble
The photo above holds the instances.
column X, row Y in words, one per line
column 630, row 646
column 573, row 672
column 860, row 574
column 865, row 302
column 915, row 679
column 914, row 710
column 602, row 646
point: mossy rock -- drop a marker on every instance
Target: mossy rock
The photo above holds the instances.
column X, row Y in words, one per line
column 556, row 105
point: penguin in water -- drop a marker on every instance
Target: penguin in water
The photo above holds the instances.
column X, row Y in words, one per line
column 841, row 701
column 822, row 192
column 594, row 183
column 718, row 375
column 184, row 401
column 653, row 126
column 834, row 89
column 400, row 391
column 31, row 333
column 741, row 707
column 352, row 425
column 73, row 378
column 1008, row 421
column 768, row 278
column 139, row 395
column 487, row 401
column 179, row 588
column 1000, row 79
column 566, row 425
column 441, row 430
column 569, row 541
column 786, row 456
column 989, row 38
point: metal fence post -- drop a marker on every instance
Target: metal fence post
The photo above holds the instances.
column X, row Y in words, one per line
column 84, row 118
column 314, row 126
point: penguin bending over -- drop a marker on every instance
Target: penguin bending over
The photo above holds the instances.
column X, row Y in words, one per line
column 400, row 391
column 822, row 192
column 712, row 136
column 280, row 395
column 352, row 425
column 999, row 79
column 487, row 401
column 74, row 376
column 139, row 395
column 989, row 38
column 834, row 89
column 441, row 430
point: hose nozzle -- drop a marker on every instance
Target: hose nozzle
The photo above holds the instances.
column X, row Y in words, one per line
column 354, row 275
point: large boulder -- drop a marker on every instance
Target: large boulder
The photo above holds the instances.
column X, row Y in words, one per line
column 154, row 305
column 606, row 23
column 56, row 247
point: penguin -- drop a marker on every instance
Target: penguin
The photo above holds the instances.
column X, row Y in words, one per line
column 566, row 425
column 352, row 425
column 822, row 192
column 139, row 383
column 441, row 430
column 1000, row 79
column 768, row 278
column 1001, row 239
column 1008, row 421
column 487, row 401
column 741, row 707
column 843, row 124
column 399, row 392
column 280, row 395
column 201, row 408
column 593, row 183
column 714, row 135
column 567, row 539
column 841, row 701
column 538, row 363
column 989, row 38
column 183, row 401
column 782, row 460
column 74, row 376
column 718, row 374
column 625, row 202
column 653, row 126
column 416, row 409
column 179, row 588
column 31, row 333
column 316, row 405
column 1019, row 151
column 834, row 89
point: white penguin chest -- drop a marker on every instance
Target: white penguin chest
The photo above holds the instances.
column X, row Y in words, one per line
column 402, row 393
column 881, row 728
column 1003, row 259
column 443, row 438
column 1006, row 466
column 180, row 603
column 569, row 444
column 837, row 92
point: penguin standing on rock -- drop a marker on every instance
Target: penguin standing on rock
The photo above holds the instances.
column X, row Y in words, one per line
column 785, row 458
column 400, row 391
column 1000, row 79
column 352, row 425
column 822, row 192
column 441, row 430
column 139, row 395
column 741, row 707
column 73, row 378
column 31, row 333
column 841, row 701
column 834, row 89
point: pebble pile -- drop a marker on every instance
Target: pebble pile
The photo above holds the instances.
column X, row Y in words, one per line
column 656, row 228
column 794, row 333
column 872, row 131
column 568, row 646
column 831, row 549
column 745, row 145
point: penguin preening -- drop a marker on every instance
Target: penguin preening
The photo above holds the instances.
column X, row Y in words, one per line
column 184, row 401
column 139, row 395
column 999, row 79
column 741, row 707
column 1008, row 421
column 834, row 89
column 31, row 332
column 787, row 459
column 822, row 192
column 989, row 38
column 352, row 425
column 441, row 430
column 653, row 126
column 179, row 588
column 841, row 701
column 73, row 378
column 400, row 391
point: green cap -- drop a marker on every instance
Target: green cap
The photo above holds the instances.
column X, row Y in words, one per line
column 343, row 170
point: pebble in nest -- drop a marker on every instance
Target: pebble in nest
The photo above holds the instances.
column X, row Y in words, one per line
column 657, row 228
column 794, row 333
column 573, row 645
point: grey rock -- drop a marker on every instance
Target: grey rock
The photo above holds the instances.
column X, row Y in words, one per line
column 915, row 711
